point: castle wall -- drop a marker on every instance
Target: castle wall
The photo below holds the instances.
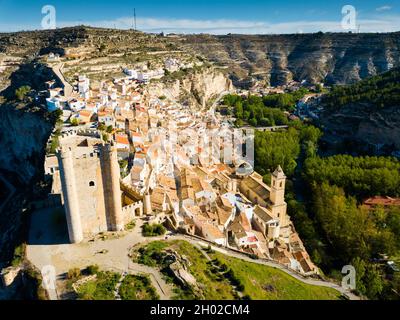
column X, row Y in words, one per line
column 90, row 194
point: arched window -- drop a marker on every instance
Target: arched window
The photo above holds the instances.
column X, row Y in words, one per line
column 281, row 184
column 91, row 184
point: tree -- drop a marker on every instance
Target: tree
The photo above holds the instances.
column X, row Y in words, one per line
column 22, row 92
column 74, row 122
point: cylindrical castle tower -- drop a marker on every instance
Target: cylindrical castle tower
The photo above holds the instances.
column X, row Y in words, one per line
column 147, row 204
column 71, row 202
column 112, row 190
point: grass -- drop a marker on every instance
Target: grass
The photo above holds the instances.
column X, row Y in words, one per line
column 137, row 288
column 131, row 225
column 213, row 287
column 103, row 287
column 227, row 278
column 100, row 289
column 265, row 283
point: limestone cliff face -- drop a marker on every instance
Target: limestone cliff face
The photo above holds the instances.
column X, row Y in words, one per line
column 334, row 58
column 23, row 138
column 197, row 88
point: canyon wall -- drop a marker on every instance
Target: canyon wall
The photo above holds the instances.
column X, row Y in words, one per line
column 333, row 58
column 197, row 89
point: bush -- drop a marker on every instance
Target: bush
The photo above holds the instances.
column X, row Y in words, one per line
column 153, row 230
column 22, row 92
column 93, row 269
column 19, row 254
column 74, row 122
column 74, row 274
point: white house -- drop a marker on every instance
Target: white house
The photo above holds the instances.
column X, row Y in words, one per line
column 53, row 104
column 122, row 142
column 77, row 104
column 107, row 118
column 83, row 85
column 133, row 74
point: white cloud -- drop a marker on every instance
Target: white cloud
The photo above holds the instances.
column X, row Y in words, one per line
column 223, row 26
column 384, row 8
column 380, row 23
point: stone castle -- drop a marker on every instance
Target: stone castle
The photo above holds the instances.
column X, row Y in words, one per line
column 90, row 184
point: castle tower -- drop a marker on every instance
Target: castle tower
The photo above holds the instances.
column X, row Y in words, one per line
column 147, row 204
column 112, row 191
column 277, row 196
column 71, row 204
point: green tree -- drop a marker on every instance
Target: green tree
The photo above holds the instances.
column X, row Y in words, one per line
column 22, row 92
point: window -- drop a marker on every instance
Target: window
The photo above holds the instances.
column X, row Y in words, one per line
column 91, row 184
column 281, row 185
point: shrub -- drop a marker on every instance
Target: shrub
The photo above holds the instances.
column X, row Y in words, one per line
column 22, row 92
column 153, row 230
column 93, row 269
column 74, row 274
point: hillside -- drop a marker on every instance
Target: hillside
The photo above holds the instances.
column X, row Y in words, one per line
column 368, row 111
column 333, row 58
column 216, row 276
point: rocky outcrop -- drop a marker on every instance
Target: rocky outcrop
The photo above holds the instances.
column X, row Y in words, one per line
column 198, row 88
column 23, row 139
column 333, row 58
column 365, row 123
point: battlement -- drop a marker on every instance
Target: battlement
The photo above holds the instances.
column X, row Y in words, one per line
column 132, row 206
column 132, row 211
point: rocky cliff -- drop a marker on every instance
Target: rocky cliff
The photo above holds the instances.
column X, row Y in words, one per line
column 333, row 58
column 365, row 125
column 196, row 88
column 23, row 138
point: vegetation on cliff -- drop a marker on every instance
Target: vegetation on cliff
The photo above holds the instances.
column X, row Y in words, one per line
column 380, row 91
column 263, row 111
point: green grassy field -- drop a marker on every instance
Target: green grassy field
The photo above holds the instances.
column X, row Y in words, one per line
column 132, row 288
column 213, row 287
column 231, row 278
column 137, row 288
column 266, row 283
column 100, row 289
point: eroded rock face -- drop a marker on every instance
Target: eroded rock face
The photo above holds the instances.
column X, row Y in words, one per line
column 365, row 123
column 197, row 88
column 23, row 138
column 334, row 58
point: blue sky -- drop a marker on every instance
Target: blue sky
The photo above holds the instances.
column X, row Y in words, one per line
column 217, row 17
